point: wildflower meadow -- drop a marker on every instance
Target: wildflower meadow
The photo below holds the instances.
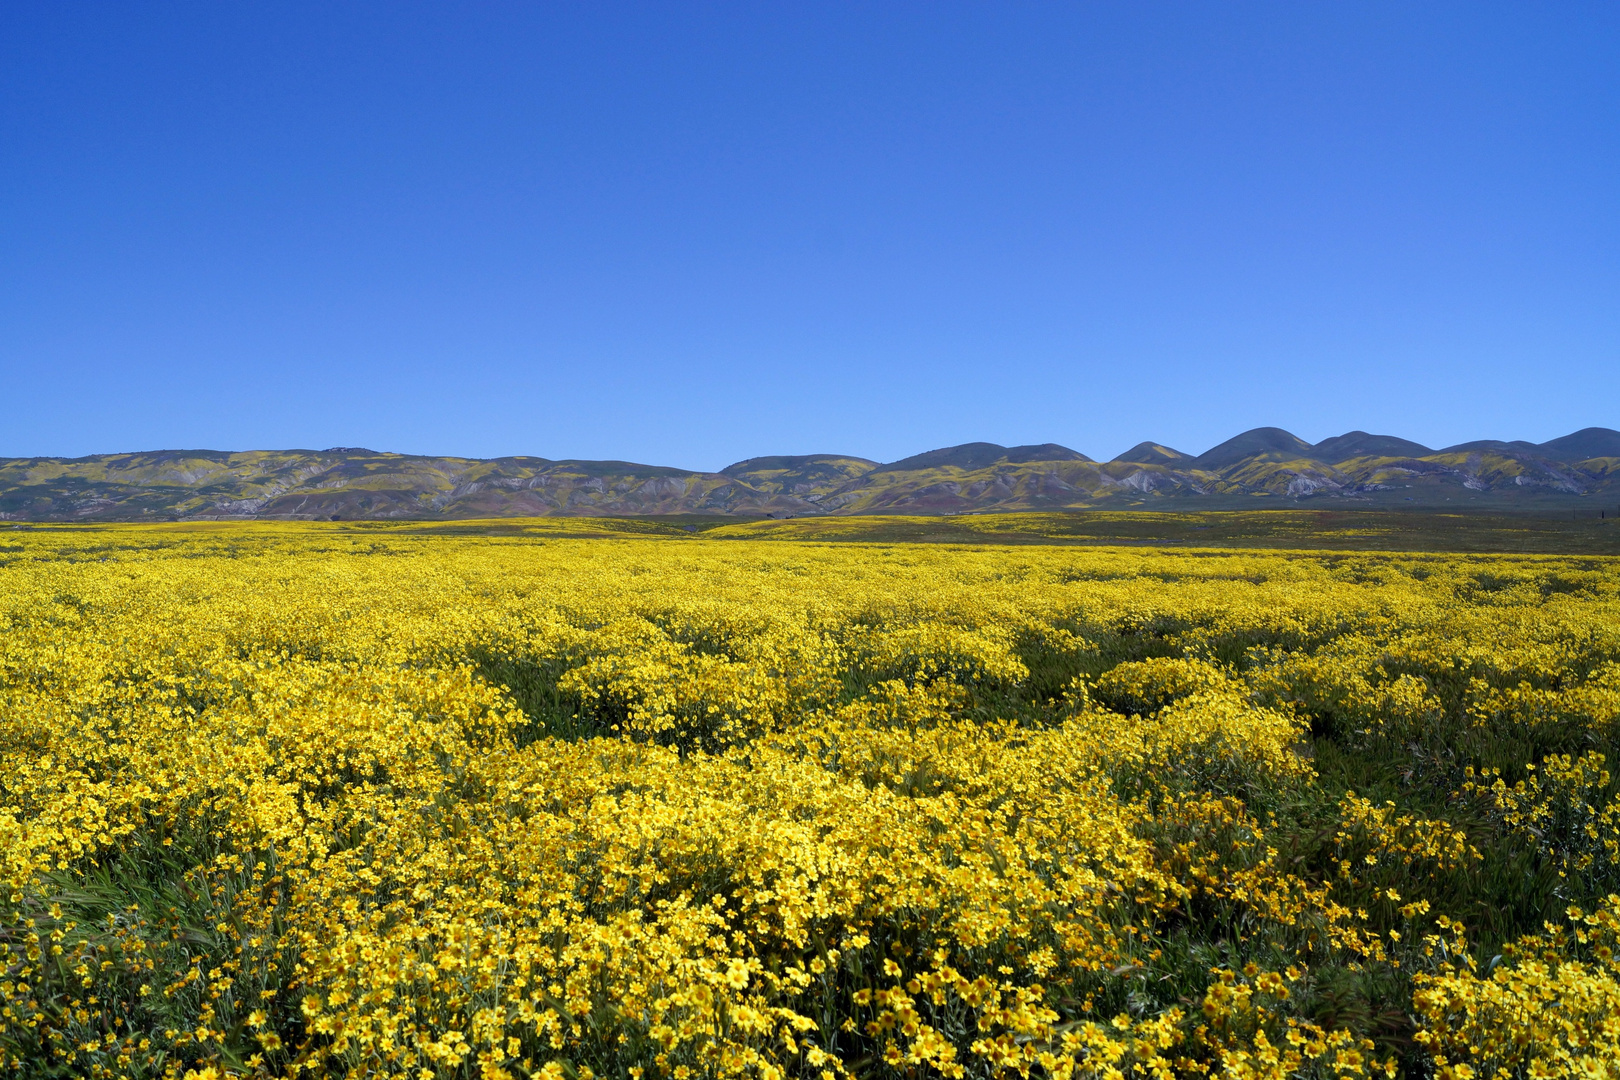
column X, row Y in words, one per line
column 327, row 801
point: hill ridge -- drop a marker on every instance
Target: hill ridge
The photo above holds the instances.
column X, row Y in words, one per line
column 1268, row 462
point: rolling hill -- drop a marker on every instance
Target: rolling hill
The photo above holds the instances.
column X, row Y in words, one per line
column 1357, row 468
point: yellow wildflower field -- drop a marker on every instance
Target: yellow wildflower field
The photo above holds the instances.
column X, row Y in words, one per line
column 282, row 801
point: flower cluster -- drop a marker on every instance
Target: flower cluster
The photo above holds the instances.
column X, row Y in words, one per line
column 330, row 801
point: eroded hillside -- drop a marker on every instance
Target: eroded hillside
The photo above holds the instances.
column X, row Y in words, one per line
column 1578, row 470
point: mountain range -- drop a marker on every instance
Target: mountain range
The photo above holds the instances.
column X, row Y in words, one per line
column 1265, row 463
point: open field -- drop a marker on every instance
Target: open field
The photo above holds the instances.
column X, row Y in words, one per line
column 580, row 798
column 1564, row 532
column 1375, row 530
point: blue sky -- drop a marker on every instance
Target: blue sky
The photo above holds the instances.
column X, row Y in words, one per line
column 692, row 233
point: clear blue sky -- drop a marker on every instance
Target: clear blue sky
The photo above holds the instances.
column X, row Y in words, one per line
column 692, row 233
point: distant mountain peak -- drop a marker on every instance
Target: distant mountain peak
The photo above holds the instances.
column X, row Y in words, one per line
column 1359, row 444
column 1269, row 443
column 1497, row 446
column 1152, row 453
column 1583, row 445
column 979, row 455
column 790, row 461
column 798, row 475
